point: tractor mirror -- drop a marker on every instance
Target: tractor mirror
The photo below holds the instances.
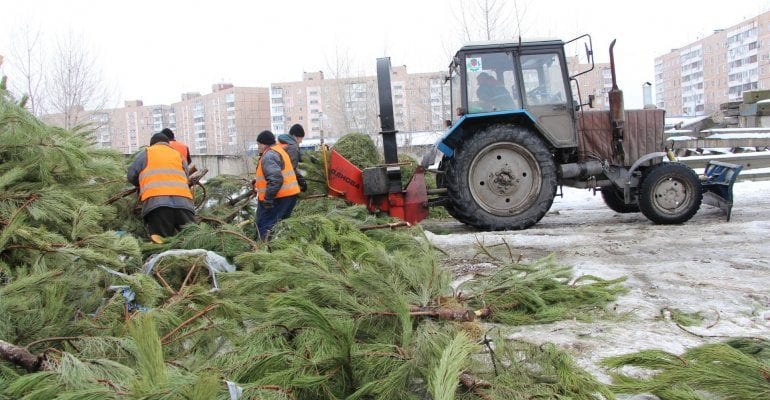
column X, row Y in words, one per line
column 591, row 99
column 447, row 123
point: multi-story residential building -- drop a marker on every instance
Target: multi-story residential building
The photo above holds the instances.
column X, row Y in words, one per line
column 335, row 107
column 696, row 78
column 224, row 122
column 597, row 82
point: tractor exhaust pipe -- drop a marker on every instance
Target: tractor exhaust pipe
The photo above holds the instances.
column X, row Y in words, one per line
column 581, row 169
column 617, row 111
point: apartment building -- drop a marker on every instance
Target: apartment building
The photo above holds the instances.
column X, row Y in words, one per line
column 223, row 122
column 335, row 107
column 696, row 78
column 597, row 82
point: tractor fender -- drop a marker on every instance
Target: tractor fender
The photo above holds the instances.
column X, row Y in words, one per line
column 644, row 159
column 456, row 133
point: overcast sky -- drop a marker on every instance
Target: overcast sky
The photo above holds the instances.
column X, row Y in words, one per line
column 156, row 50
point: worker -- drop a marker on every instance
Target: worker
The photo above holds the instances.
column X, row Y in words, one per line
column 182, row 148
column 162, row 178
column 291, row 144
column 493, row 94
column 276, row 185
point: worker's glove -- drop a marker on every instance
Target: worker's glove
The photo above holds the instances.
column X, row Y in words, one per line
column 267, row 204
column 302, row 183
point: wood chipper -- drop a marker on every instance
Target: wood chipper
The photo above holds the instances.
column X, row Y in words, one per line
column 518, row 131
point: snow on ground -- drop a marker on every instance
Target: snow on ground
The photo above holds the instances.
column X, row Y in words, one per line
column 707, row 265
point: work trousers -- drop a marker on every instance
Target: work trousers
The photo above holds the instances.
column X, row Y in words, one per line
column 167, row 221
column 268, row 217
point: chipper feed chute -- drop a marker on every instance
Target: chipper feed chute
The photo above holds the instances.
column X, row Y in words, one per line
column 379, row 188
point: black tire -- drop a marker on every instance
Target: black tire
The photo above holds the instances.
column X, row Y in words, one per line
column 441, row 183
column 671, row 193
column 613, row 198
column 504, row 177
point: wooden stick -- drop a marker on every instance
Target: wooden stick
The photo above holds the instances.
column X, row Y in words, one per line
column 120, row 195
column 392, row 225
column 200, row 313
column 474, row 384
column 163, row 282
column 184, row 282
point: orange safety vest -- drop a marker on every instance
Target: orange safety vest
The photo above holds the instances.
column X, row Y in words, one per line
column 181, row 148
column 164, row 174
column 290, row 187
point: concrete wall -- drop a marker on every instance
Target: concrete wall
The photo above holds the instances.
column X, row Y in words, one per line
column 223, row 165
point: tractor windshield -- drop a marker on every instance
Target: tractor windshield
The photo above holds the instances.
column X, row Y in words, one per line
column 491, row 82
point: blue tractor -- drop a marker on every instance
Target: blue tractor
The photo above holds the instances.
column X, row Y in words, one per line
column 518, row 131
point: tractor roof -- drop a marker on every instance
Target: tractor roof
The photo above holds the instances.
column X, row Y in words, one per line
column 506, row 44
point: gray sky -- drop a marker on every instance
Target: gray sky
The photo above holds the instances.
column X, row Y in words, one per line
column 155, row 50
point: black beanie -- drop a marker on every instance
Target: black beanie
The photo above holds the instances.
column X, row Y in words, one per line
column 297, row 131
column 158, row 137
column 266, row 137
column 168, row 132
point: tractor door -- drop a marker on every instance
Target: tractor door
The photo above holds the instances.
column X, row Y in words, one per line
column 547, row 97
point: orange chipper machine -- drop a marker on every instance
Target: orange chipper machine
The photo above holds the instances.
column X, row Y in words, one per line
column 379, row 188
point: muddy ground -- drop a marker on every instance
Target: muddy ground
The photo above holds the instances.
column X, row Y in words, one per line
column 720, row 269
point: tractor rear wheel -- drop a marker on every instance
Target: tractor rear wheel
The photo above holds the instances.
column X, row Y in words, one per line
column 671, row 193
column 613, row 198
column 504, row 177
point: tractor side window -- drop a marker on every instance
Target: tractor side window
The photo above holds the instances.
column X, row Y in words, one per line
column 491, row 82
column 456, row 91
column 542, row 79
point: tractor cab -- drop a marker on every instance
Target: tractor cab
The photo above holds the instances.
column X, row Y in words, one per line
column 525, row 81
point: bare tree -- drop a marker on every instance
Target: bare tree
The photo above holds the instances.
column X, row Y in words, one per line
column 75, row 82
column 351, row 102
column 488, row 19
column 337, row 95
column 27, row 61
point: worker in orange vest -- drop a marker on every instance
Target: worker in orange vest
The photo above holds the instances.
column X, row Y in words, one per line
column 182, row 148
column 276, row 184
column 162, row 178
column 291, row 144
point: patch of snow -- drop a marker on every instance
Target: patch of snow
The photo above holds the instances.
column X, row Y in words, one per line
column 720, row 269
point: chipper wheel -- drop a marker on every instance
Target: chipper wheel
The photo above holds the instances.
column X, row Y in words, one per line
column 671, row 193
column 613, row 198
column 504, row 177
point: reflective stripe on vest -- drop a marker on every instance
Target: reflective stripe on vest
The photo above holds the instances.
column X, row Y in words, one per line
column 181, row 148
column 164, row 174
column 290, row 187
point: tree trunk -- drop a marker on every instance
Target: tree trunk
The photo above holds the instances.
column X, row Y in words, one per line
column 20, row 356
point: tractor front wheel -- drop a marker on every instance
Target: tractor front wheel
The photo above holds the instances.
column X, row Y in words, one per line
column 503, row 177
column 671, row 193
